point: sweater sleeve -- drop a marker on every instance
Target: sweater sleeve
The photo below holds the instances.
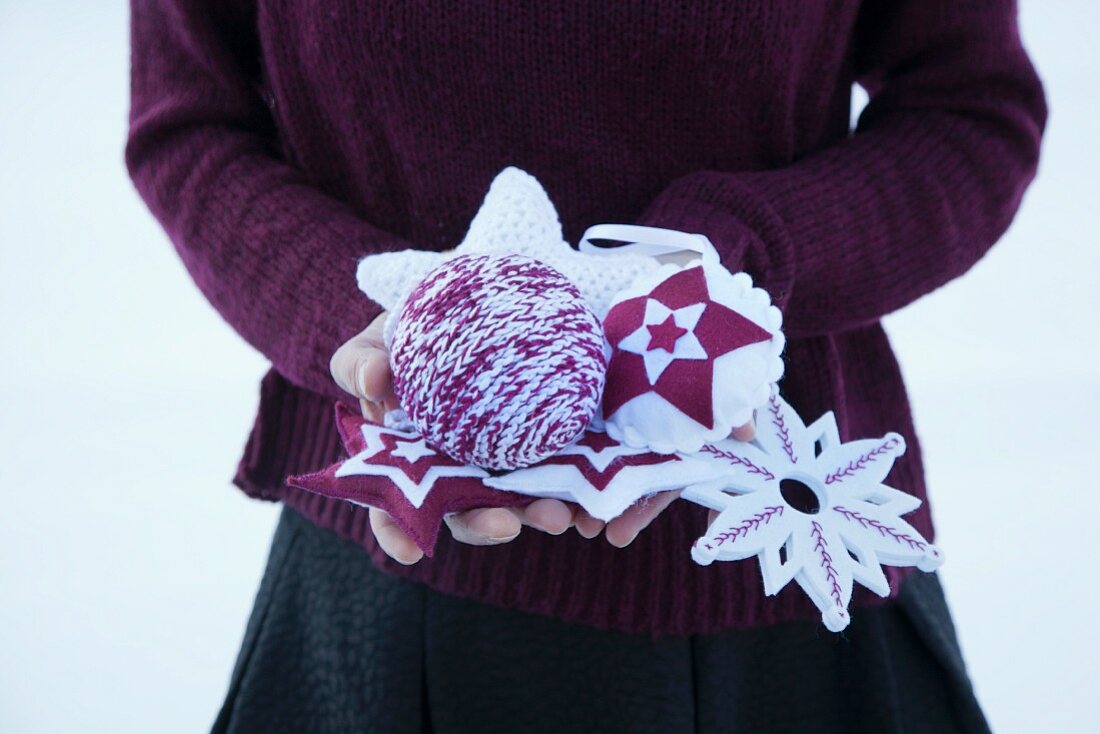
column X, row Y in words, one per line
column 275, row 256
column 929, row 180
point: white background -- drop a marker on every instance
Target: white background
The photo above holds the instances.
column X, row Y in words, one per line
column 128, row 564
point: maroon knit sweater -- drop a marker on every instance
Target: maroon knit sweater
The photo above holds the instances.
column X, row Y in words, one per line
column 278, row 142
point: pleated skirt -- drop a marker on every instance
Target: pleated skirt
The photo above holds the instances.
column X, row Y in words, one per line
column 334, row 645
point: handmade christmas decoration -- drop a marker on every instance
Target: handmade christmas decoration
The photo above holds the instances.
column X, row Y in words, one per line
column 515, row 218
column 601, row 376
column 693, row 352
column 823, row 518
column 497, row 360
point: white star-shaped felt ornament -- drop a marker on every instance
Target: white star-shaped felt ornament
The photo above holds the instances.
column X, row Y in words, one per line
column 604, row 476
column 665, row 335
column 515, row 218
column 405, row 459
column 824, row 519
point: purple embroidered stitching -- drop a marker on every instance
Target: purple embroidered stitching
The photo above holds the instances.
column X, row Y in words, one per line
column 754, row 522
column 826, row 562
column 738, row 460
column 777, row 419
column 882, row 529
column 861, row 462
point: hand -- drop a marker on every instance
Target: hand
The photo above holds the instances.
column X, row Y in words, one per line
column 361, row 367
column 622, row 530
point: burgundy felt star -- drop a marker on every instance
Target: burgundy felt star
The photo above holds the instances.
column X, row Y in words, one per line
column 396, row 471
column 664, row 335
column 683, row 375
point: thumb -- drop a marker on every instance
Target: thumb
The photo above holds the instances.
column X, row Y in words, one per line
column 361, row 366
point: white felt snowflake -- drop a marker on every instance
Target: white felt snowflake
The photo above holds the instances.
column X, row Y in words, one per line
column 822, row 518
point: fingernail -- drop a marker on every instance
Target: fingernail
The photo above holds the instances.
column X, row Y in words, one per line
column 361, row 377
column 496, row 540
column 624, row 544
column 408, row 560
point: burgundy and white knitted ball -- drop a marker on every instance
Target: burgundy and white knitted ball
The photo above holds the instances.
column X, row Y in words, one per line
column 498, row 360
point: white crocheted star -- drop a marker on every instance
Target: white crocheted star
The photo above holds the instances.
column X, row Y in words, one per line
column 824, row 520
column 516, row 217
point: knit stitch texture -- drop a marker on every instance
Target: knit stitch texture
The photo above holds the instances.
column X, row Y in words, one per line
column 280, row 142
column 498, row 361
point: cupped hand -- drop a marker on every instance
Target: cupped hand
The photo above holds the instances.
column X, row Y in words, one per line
column 361, row 367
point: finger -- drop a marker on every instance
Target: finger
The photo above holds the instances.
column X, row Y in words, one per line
column 362, row 370
column 361, row 366
column 548, row 515
column 392, row 540
column 622, row 531
column 588, row 526
column 484, row 526
column 373, row 378
column 746, row 432
column 711, row 516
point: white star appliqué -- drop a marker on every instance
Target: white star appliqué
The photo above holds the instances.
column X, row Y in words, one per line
column 406, row 460
column 412, row 451
column 645, row 340
column 828, row 513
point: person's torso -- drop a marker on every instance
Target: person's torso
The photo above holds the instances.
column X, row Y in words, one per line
column 406, row 109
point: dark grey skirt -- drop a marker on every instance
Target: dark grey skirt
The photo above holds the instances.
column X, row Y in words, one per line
column 334, row 645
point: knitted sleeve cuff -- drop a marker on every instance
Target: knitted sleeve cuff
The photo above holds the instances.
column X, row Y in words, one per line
column 749, row 235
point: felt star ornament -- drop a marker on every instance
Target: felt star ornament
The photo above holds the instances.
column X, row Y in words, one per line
column 396, row 471
column 693, row 352
column 677, row 333
column 823, row 519
column 604, row 476
column 515, row 218
column 405, row 459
